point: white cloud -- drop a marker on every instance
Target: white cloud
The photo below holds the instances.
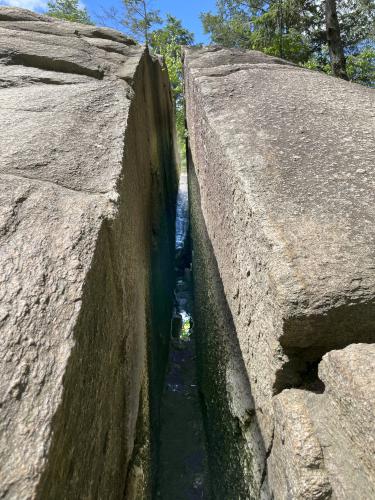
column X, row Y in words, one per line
column 26, row 4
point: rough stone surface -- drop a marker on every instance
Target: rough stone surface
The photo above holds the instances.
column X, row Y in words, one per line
column 284, row 165
column 87, row 194
column 324, row 444
column 344, row 419
column 296, row 466
column 236, row 449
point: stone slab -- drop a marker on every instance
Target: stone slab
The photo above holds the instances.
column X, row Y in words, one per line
column 284, row 162
column 86, row 211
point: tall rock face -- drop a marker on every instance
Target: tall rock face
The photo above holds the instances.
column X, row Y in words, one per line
column 88, row 188
column 282, row 176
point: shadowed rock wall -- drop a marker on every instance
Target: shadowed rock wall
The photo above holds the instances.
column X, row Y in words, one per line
column 282, row 160
column 236, row 448
column 88, row 186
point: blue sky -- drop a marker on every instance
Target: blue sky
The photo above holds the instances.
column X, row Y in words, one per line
column 187, row 10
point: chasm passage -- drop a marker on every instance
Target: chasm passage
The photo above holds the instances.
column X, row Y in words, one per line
column 182, row 470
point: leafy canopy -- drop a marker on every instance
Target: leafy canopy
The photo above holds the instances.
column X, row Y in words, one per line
column 296, row 30
column 168, row 41
column 276, row 27
column 69, row 10
column 357, row 23
column 139, row 19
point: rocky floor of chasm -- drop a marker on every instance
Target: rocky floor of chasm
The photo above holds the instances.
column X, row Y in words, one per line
column 183, row 468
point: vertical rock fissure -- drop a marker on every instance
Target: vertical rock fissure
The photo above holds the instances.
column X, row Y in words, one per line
column 182, row 471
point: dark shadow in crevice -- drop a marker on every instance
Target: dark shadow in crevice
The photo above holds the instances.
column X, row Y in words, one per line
column 300, row 373
column 335, row 329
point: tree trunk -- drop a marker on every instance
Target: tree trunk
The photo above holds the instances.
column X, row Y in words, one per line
column 281, row 29
column 336, row 51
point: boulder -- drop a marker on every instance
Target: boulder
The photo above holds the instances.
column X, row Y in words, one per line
column 282, row 160
column 324, row 445
column 296, row 467
column 88, row 189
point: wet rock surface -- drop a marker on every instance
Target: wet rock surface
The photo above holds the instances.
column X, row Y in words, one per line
column 86, row 237
column 284, row 165
column 183, row 468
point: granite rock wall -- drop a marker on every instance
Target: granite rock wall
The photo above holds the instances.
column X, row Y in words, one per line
column 88, row 188
column 282, row 162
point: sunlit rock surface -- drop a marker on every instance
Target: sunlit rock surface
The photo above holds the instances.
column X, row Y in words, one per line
column 282, row 160
column 88, row 183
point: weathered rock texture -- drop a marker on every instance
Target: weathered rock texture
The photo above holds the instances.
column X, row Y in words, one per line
column 282, row 161
column 88, row 184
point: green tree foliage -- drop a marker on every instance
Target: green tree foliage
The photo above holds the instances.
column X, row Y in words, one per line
column 139, row 19
column 282, row 30
column 68, row 10
column 277, row 27
column 295, row 30
column 168, row 41
column 361, row 67
column 357, row 22
column 233, row 24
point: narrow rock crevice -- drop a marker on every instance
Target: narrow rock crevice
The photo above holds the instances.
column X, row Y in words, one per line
column 183, row 468
column 228, row 354
column 263, row 482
